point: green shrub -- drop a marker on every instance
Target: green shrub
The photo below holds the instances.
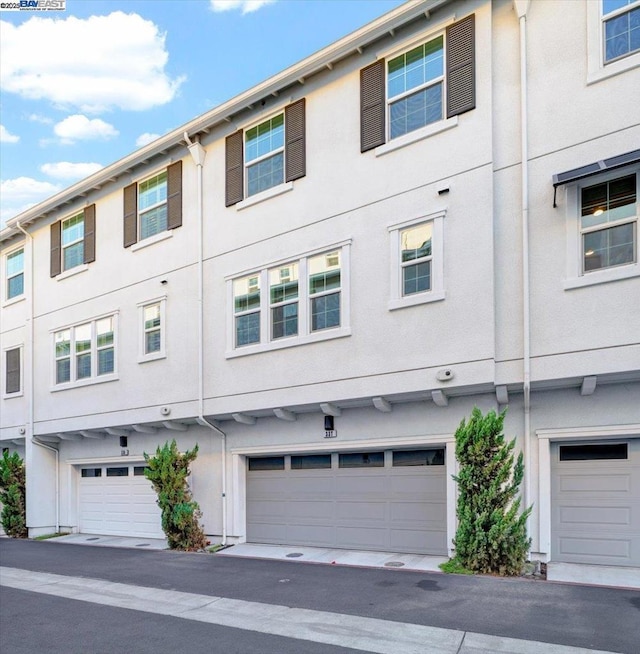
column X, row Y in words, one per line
column 492, row 532
column 168, row 471
column 12, row 495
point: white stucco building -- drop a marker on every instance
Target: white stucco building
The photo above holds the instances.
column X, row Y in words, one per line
column 437, row 212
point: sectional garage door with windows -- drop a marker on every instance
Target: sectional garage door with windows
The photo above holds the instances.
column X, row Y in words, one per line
column 392, row 501
column 118, row 501
column 595, row 500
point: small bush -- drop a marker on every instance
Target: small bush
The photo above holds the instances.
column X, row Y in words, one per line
column 168, row 471
column 12, row 495
column 492, row 532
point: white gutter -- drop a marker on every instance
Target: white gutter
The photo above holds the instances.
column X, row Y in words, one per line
column 198, row 154
column 522, row 7
column 57, row 453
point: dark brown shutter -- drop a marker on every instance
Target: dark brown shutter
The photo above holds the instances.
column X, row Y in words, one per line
column 461, row 66
column 90, row 233
column 372, row 106
column 294, row 155
column 234, row 166
column 174, row 195
column 130, row 225
column 56, row 266
column 13, row 371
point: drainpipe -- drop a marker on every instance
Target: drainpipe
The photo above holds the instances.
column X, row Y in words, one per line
column 522, row 7
column 57, row 453
column 198, row 153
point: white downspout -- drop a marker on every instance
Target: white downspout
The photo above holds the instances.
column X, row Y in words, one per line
column 522, row 7
column 198, row 154
column 57, row 453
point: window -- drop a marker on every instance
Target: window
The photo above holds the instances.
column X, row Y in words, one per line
column 118, row 472
column 266, row 155
column 266, row 463
column 425, row 84
column 593, row 452
column 73, row 241
column 152, row 329
column 15, row 273
column 153, row 206
column 404, row 458
column 608, row 221
column 138, row 471
column 621, row 25
column 311, row 462
column 417, row 261
column 13, row 371
column 91, row 472
column 85, row 352
column 361, row 460
column 291, row 303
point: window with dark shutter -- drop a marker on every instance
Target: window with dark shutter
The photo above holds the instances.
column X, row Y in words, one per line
column 461, row 67
column 372, row 106
column 13, row 371
column 295, row 155
column 55, row 262
column 234, row 166
column 90, row 233
column 174, row 195
column 130, row 226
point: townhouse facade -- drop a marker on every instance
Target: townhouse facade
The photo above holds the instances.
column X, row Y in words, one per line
column 317, row 280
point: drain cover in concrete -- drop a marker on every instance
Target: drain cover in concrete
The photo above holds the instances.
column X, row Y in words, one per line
column 93, row 539
column 393, row 564
column 294, row 555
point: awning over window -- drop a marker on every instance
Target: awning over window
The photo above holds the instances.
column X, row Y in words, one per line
column 594, row 169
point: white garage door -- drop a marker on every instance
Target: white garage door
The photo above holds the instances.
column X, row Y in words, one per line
column 385, row 501
column 595, row 499
column 118, row 501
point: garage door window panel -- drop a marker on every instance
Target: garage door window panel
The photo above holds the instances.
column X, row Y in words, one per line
column 311, row 462
column 406, row 458
column 266, row 463
column 361, row 460
column 594, row 452
column 89, row 473
column 122, row 471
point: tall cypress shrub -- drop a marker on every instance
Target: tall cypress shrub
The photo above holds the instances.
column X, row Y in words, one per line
column 168, row 471
column 12, row 495
column 492, row 532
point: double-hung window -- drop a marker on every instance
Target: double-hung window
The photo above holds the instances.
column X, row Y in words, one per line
column 15, row 274
column 153, row 206
column 291, row 302
column 73, row 242
column 416, row 90
column 13, row 371
column 85, row 352
column 152, row 329
column 263, row 158
column 608, row 223
column 621, row 28
column 417, row 248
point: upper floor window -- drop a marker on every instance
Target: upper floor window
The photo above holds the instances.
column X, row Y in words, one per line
column 85, row 351
column 152, row 329
column 12, row 371
column 417, row 261
column 73, row 241
column 621, row 21
column 154, row 205
column 291, row 303
column 608, row 223
column 15, row 273
column 266, row 155
column 419, row 87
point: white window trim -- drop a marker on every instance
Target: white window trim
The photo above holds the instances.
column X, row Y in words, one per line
column 575, row 278
column 94, row 379
column 3, row 371
column 263, row 195
column 437, row 292
column 64, row 247
column 597, row 70
column 162, row 353
column 304, row 317
column 269, row 193
column 83, row 267
column 149, row 240
column 5, row 276
column 417, row 135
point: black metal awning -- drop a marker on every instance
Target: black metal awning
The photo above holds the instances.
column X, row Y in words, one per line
column 594, row 169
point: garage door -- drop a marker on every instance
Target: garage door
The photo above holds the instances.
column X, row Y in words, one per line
column 595, row 499
column 118, row 501
column 386, row 501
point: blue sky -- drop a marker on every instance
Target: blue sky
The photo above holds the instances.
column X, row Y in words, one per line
column 83, row 87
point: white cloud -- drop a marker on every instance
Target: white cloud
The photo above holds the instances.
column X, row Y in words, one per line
column 21, row 193
column 37, row 118
column 246, row 6
column 80, row 128
column 95, row 64
column 6, row 136
column 146, row 138
column 69, row 171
